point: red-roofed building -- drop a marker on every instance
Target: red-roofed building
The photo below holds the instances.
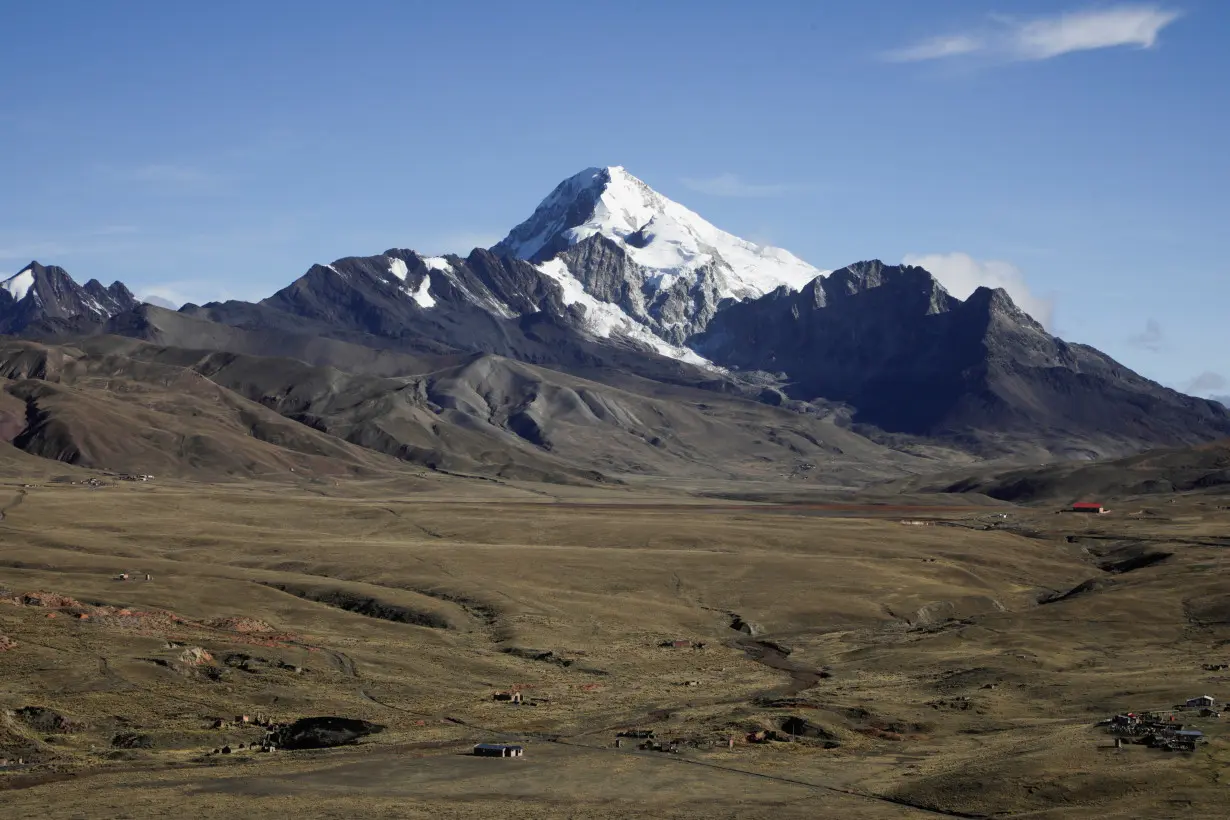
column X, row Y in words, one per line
column 1087, row 507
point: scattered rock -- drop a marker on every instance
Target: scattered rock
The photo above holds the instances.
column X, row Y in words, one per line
column 45, row 721
column 7, row 643
column 213, row 673
column 322, row 732
column 241, row 624
column 195, row 656
column 132, row 740
column 50, row 600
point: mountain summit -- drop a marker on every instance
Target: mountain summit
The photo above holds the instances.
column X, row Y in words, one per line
column 48, row 298
column 610, row 281
column 621, row 242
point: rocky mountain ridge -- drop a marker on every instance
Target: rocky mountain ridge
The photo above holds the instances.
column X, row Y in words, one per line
column 610, row 282
column 47, row 297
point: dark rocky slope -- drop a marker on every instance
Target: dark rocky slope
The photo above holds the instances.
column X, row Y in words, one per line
column 910, row 358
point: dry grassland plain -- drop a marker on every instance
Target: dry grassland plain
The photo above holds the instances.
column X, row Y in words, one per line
column 906, row 670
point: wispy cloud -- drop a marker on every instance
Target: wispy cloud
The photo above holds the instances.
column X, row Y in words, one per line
column 1042, row 38
column 727, row 184
column 114, row 230
column 198, row 291
column 151, row 298
column 23, row 246
column 24, row 250
column 962, row 274
column 169, row 177
column 1206, row 383
column 1151, row 338
column 935, row 48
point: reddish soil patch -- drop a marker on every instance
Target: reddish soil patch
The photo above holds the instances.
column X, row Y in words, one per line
column 156, row 622
column 50, row 600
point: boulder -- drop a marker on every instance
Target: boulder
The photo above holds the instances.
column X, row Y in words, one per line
column 746, row 627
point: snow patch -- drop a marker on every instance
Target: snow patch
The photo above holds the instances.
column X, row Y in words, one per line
column 438, row 263
column 423, row 295
column 603, row 319
column 398, row 268
column 18, row 286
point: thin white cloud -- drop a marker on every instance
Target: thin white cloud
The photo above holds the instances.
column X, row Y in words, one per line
column 1136, row 25
column 962, row 274
column 159, row 301
column 731, row 185
column 936, row 48
column 114, row 230
column 1151, row 338
column 24, row 251
column 1206, row 383
column 197, row 291
column 169, row 177
column 70, row 242
column 1042, row 38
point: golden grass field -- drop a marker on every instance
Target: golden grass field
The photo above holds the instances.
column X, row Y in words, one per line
column 948, row 690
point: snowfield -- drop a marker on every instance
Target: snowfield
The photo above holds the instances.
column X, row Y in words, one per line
column 665, row 236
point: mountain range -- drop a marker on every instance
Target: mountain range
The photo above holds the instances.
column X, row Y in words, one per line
column 613, row 333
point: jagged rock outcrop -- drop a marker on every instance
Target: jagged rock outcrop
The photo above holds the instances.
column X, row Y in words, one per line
column 890, row 341
column 45, row 299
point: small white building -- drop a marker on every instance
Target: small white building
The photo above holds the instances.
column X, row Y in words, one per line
column 1202, row 702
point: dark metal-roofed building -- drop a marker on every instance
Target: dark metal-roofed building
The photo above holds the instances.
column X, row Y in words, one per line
column 498, row 750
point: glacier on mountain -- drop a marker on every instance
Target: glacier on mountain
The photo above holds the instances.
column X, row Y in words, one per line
column 663, row 267
column 604, row 320
column 657, row 233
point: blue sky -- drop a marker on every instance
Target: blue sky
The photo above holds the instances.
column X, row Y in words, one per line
column 1074, row 152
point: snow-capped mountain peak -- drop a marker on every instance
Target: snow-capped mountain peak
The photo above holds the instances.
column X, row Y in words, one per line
column 660, row 263
column 657, row 234
column 48, row 294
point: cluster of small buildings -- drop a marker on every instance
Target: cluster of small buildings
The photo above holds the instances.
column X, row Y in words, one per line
column 1159, row 730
